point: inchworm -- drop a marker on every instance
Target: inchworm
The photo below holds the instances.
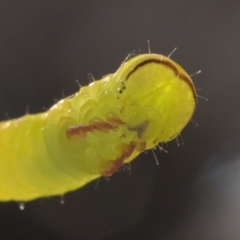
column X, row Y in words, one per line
column 148, row 100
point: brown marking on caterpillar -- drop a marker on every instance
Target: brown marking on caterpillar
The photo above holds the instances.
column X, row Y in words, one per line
column 170, row 65
column 107, row 168
column 79, row 131
column 140, row 128
column 141, row 146
column 111, row 167
column 113, row 119
column 99, row 125
column 187, row 80
column 96, row 124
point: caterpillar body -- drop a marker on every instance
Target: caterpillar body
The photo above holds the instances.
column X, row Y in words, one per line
column 148, row 100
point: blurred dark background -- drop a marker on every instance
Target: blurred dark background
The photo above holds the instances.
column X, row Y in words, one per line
column 195, row 191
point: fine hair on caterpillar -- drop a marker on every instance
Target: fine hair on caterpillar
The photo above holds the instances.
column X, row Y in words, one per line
column 96, row 131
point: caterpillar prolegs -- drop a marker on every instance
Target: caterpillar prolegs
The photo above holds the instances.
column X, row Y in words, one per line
column 148, row 100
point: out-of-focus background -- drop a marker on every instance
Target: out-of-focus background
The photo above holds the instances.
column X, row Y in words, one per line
column 195, row 191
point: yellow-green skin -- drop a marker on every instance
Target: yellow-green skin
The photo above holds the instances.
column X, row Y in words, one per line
column 152, row 96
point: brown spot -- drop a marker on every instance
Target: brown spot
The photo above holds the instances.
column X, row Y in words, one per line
column 96, row 124
column 141, row 146
column 79, row 131
column 113, row 119
column 140, row 128
column 128, row 149
column 111, row 167
column 100, row 125
column 107, row 168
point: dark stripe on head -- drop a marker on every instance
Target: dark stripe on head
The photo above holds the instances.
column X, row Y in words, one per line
column 169, row 65
column 190, row 84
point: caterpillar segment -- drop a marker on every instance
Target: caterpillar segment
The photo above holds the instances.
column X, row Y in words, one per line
column 148, row 100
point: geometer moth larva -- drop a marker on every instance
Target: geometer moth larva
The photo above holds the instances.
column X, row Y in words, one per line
column 148, row 100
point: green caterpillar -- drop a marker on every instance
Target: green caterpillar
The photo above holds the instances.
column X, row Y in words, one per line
column 148, row 100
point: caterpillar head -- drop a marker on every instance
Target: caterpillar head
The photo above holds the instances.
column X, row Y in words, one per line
column 157, row 96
